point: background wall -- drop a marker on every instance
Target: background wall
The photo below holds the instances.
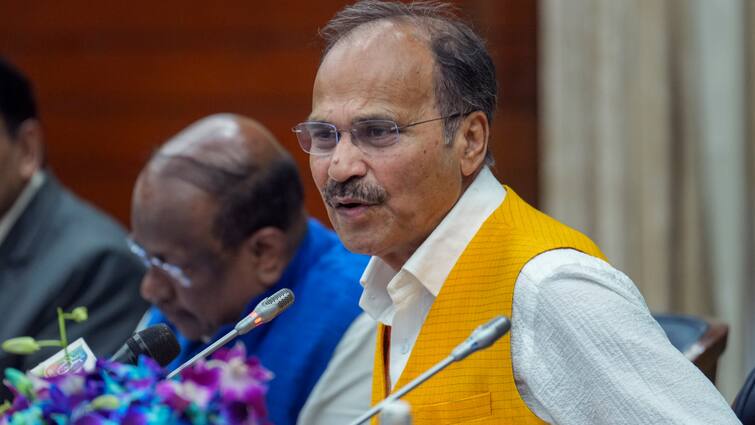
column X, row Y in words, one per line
column 647, row 129
column 115, row 79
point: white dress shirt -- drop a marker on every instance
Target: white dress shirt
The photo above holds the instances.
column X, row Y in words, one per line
column 584, row 346
column 402, row 300
column 344, row 390
column 19, row 205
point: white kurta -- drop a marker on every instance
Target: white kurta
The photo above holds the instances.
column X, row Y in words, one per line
column 585, row 349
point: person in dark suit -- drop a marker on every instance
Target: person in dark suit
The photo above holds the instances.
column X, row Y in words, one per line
column 55, row 249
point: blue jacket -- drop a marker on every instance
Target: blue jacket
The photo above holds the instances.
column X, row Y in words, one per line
column 297, row 345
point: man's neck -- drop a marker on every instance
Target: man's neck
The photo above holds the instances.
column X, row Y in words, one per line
column 19, row 205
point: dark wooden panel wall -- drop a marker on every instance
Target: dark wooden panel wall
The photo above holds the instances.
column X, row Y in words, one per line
column 115, row 79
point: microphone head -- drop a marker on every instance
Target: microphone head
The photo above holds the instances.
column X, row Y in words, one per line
column 266, row 310
column 157, row 342
column 279, row 301
column 482, row 337
column 489, row 333
column 273, row 305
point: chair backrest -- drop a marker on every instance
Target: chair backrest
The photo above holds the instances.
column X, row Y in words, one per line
column 744, row 404
column 701, row 340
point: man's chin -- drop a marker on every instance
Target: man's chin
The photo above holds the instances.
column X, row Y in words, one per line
column 359, row 242
column 189, row 328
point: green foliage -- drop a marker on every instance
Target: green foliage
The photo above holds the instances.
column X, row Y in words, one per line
column 25, row 345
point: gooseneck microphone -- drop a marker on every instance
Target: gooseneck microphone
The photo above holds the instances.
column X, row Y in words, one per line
column 264, row 312
column 157, row 342
column 482, row 337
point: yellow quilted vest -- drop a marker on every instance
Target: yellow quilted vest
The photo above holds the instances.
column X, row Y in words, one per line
column 480, row 389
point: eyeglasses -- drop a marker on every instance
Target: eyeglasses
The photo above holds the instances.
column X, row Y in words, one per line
column 149, row 261
column 371, row 136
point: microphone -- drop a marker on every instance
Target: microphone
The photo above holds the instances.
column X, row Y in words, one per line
column 482, row 337
column 264, row 312
column 396, row 412
column 157, row 342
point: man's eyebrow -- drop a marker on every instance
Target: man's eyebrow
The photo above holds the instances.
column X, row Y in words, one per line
column 358, row 119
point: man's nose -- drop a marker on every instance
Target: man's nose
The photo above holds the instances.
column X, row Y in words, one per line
column 156, row 287
column 347, row 160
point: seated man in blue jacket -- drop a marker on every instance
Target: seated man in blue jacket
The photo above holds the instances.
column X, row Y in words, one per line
column 218, row 215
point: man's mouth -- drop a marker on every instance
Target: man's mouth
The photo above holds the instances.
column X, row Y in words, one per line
column 348, row 203
column 351, row 208
column 353, row 195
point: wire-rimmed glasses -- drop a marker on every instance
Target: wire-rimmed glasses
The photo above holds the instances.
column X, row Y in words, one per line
column 149, row 261
column 371, row 136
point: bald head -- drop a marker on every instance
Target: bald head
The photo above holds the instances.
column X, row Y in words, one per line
column 238, row 163
column 226, row 143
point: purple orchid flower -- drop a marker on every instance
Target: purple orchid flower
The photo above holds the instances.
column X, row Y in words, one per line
column 227, row 389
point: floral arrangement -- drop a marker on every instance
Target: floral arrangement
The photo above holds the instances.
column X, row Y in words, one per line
column 227, row 389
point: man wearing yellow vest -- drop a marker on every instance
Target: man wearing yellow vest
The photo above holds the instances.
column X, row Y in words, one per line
column 398, row 137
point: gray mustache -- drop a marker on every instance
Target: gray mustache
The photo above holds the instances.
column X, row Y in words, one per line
column 355, row 189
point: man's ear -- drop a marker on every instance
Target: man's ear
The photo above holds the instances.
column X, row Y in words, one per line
column 267, row 248
column 29, row 140
column 475, row 130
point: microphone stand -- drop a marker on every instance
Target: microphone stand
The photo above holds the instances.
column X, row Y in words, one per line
column 402, row 392
column 210, row 349
column 264, row 312
column 482, row 337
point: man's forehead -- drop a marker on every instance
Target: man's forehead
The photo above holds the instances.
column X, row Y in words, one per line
column 378, row 33
column 377, row 42
column 373, row 71
column 169, row 213
column 163, row 189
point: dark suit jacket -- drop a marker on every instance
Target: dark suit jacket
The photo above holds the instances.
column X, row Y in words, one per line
column 63, row 253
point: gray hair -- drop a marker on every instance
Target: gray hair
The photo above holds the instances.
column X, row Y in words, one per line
column 465, row 79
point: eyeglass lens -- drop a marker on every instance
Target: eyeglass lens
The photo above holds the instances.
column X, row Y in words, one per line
column 372, row 135
column 149, row 261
